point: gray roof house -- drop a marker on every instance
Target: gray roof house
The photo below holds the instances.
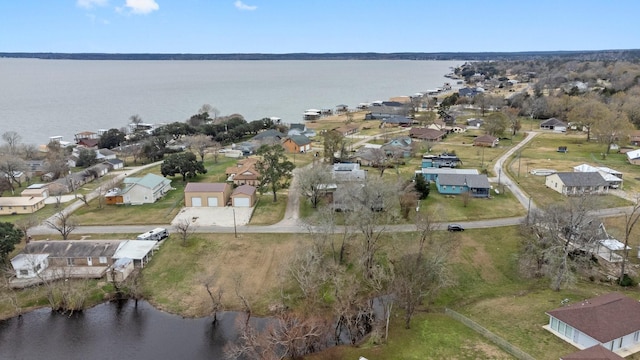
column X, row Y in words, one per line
column 456, row 184
column 553, row 124
column 577, row 183
column 611, row 320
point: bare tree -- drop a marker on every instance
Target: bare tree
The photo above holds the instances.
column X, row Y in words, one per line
column 309, row 273
column 62, row 222
column 630, row 220
column 558, row 241
column 312, row 182
column 200, row 144
column 214, row 294
column 372, row 208
column 12, row 168
column 184, row 228
column 244, row 300
column 421, row 274
column 12, row 139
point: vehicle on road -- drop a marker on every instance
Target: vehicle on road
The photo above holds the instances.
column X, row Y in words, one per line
column 455, row 227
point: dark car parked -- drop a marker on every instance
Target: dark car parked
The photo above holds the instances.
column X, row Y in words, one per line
column 455, row 227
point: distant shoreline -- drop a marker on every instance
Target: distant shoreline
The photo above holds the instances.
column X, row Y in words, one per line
column 589, row 55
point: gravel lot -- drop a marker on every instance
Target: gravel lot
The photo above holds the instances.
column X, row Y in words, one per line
column 214, row 216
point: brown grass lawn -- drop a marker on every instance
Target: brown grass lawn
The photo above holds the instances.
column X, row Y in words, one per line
column 266, row 211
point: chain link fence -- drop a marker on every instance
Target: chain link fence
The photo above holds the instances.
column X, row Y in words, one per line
column 502, row 343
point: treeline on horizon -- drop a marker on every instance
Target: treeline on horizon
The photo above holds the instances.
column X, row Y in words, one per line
column 632, row 55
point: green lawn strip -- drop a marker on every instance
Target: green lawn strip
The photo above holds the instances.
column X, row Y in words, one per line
column 267, row 212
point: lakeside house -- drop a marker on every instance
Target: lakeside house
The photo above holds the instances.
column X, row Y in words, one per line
column 244, row 173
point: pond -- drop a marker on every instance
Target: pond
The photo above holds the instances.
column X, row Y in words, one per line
column 117, row 330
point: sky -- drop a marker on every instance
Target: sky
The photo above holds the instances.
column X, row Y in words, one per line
column 316, row 26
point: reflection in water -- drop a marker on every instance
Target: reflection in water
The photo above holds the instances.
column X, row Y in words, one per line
column 118, row 330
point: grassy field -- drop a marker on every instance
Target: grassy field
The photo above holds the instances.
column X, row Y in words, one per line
column 266, row 211
column 541, row 153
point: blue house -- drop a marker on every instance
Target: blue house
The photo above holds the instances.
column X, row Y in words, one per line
column 456, row 184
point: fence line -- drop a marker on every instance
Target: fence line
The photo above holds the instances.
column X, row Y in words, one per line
column 502, row 343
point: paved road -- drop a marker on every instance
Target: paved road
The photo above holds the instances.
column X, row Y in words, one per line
column 292, row 224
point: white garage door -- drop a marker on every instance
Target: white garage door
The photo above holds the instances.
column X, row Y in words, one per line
column 212, row 201
column 241, row 202
column 196, row 201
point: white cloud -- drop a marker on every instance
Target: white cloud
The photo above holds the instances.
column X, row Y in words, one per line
column 88, row 4
column 242, row 6
column 142, row 6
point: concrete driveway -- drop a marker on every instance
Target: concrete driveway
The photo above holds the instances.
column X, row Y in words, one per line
column 214, row 216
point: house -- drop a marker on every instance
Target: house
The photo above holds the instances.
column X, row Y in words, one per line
column 432, row 173
column 611, row 176
column 577, row 183
column 348, row 129
column 114, row 164
column 634, row 138
column 398, row 147
column 145, row 190
column 35, row 167
column 475, row 123
column 596, row 352
column 40, row 261
column 120, row 270
column 611, row 320
column 105, row 154
column 87, row 139
column 486, row 141
column 36, row 190
column 553, row 124
column 29, row 265
column 297, row 144
column 634, row 157
column 312, row 114
column 243, row 196
column 396, row 121
column 456, row 184
column 244, row 172
column 10, row 205
column 442, row 160
column 206, row 194
column 346, row 172
column 438, row 125
column 456, row 128
column 269, row 137
column 427, row 134
column 342, row 108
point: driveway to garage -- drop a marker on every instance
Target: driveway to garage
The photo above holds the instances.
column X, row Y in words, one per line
column 214, row 216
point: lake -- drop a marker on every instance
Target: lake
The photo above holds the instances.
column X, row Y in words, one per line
column 43, row 98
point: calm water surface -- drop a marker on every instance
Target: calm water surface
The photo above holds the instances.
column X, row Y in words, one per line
column 43, row 98
column 115, row 331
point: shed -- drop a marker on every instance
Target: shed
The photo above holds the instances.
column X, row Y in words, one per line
column 244, row 196
column 206, row 194
column 120, row 270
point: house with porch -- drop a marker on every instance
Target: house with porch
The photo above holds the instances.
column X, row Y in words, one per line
column 432, row 173
column 554, row 125
column 611, row 320
column 457, row 184
column 634, row 138
column 577, row 183
column 145, row 190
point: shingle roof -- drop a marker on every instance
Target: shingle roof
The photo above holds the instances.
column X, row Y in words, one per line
column 472, row 181
column 269, row 134
column 581, row 179
column 596, row 352
column 205, row 187
column 604, row 318
column 300, row 140
column 244, row 189
column 485, row 139
column 553, row 122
